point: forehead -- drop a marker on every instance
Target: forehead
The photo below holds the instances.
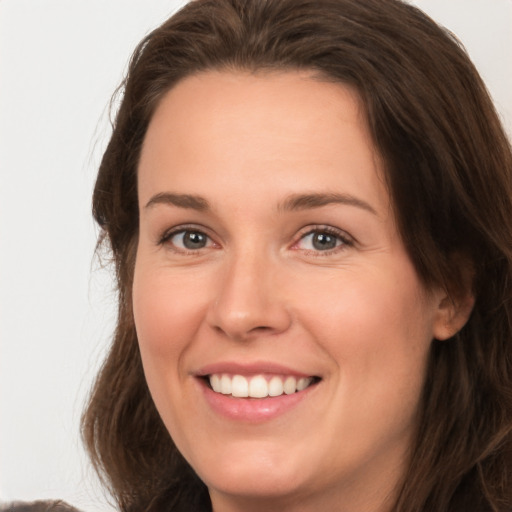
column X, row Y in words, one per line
column 239, row 129
column 284, row 102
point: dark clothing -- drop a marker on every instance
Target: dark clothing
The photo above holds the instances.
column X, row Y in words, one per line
column 37, row 506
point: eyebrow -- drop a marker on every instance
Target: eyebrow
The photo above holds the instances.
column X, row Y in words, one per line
column 181, row 200
column 293, row 202
column 317, row 200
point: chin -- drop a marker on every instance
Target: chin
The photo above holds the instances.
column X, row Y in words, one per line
column 253, row 471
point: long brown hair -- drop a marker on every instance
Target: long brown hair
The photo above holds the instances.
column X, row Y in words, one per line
column 449, row 172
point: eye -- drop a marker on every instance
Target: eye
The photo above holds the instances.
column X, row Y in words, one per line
column 324, row 239
column 187, row 240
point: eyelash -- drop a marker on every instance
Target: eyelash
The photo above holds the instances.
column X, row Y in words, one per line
column 168, row 235
column 345, row 240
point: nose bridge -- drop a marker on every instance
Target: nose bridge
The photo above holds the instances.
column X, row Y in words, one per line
column 247, row 300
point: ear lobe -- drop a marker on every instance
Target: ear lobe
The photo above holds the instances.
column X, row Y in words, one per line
column 452, row 314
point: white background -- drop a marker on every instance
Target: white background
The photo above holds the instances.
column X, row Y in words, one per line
column 60, row 61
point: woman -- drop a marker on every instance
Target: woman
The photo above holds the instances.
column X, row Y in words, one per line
column 308, row 204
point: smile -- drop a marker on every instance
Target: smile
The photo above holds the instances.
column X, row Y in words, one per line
column 254, row 393
column 258, row 386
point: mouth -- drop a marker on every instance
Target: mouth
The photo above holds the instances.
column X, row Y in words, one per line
column 257, row 392
column 258, row 386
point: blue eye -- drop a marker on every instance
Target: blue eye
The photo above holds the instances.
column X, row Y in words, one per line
column 187, row 239
column 322, row 240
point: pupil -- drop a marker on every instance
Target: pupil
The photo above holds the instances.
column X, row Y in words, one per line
column 324, row 241
column 194, row 240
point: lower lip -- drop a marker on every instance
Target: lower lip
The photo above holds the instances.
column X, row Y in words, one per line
column 253, row 410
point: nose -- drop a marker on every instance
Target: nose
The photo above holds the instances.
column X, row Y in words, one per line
column 249, row 299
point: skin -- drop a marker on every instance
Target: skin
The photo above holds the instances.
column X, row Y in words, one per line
column 357, row 315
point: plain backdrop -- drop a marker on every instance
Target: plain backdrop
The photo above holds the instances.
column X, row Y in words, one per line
column 60, row 61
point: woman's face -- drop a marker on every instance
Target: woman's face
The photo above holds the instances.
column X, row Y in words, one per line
column 269, row 263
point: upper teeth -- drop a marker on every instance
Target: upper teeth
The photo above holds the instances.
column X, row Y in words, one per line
column 257, row 386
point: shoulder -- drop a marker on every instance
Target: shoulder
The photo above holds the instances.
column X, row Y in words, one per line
column 37, row 506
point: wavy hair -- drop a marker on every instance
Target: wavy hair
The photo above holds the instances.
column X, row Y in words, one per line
column 448, row 167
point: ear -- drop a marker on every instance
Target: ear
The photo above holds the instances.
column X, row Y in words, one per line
column 452, row 315
column 454, row 307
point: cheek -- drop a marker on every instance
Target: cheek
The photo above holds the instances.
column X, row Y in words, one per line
column 376, row 327
column 167, row 310
column 386, row 305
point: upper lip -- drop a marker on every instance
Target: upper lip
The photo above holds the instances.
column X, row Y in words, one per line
column 254, row 368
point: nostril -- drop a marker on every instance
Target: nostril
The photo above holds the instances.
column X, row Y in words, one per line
column 262, row 328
